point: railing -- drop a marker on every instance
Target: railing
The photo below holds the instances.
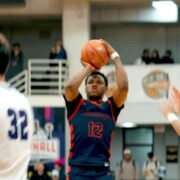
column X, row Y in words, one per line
column 20, row 82
column 47, row 76
column 43, row 77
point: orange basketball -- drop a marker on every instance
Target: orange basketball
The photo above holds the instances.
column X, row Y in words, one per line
column 95, row 53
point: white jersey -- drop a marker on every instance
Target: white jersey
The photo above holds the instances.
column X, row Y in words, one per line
column 16, row 129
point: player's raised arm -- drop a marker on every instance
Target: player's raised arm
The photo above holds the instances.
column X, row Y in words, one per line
column 120, row 93
column 72, row 86
column 176, row 99
column 171, row 108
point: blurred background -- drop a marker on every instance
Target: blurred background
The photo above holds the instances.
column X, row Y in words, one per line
column 47, row 37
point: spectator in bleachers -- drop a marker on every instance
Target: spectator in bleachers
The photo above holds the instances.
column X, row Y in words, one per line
column 144, row 59
column 155, row 58
column 16, row 61
column 40, row 172
column 59, row 168
column 167, row 58
column 58, row 51
column 55, row 174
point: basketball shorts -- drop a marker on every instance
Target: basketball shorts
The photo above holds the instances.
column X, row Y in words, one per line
column 89, row 173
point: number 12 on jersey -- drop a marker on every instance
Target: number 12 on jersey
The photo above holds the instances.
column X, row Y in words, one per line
column 18, row 124
column 95, row 129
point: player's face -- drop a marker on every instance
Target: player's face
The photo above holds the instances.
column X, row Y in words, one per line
column 95, row 87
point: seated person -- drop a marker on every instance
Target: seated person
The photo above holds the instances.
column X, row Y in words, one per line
column 167, row 58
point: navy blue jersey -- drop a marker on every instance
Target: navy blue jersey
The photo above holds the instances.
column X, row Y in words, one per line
column 92, row 126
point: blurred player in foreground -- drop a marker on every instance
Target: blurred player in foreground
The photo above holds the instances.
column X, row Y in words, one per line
column 16, row 124
column 171, row 109
column 92, row 121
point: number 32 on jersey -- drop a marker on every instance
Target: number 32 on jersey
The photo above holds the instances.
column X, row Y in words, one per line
column 18, row 124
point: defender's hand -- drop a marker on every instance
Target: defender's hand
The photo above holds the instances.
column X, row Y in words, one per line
column 176, row 99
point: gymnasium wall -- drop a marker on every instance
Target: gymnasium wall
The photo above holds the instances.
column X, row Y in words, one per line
column 161, row 141
column 37, row 37
column 130, row 39
column 32, row 8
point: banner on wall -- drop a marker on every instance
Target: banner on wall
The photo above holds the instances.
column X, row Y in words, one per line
column 44, row 146
column 45, row 149
column 146, row 83
column 172, row 154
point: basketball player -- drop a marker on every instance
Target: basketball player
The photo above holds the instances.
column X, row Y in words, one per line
column 171, row 108
column 16, row 124
column 92, row 121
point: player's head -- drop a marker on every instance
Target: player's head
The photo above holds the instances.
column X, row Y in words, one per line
column 4, row 54
column 96, row 85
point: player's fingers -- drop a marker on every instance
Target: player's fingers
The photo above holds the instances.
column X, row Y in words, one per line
column 175, row 92
column 89, row 65
column 104, row 42
column 108, row 46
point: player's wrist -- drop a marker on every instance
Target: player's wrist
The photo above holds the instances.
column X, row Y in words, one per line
column 89, row 68
column 115, row 56
column 172, row 117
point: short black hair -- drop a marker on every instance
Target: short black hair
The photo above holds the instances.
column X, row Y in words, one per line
column 97, row 73
column 168, row 51
column 16, row 44
column 145, row 50
column 4, row 57
column 150, row 155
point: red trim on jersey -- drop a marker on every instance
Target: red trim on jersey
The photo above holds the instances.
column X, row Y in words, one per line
column 96, row 103
column 72, row 144
column 72, row 136
column 110, row 144
column 77, row 108
column 71, row 128
column 67, row 178
column 68, row 169
column 112, row 111
column 70, row 154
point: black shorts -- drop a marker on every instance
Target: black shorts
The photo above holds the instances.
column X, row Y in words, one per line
column 89, row 173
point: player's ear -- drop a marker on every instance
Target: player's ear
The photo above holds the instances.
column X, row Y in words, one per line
column 105, row 90
column 85, row 88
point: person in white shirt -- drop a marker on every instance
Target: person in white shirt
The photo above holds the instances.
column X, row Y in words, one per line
column 128, row 169
column 171, row 108
column 151, row 167
column 144, row 59
column 16, row 124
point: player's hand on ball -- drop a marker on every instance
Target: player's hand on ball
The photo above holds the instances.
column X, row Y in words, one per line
column 85, row 64
column 109, row 48
column 95, row 53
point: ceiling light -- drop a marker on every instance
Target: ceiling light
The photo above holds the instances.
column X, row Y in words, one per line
column 128, row 125
column 167, row 10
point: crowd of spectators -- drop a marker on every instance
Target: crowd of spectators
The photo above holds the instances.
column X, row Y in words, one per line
column 153, row 57
column 17, row 62
column 58, row 52
column 47, row 171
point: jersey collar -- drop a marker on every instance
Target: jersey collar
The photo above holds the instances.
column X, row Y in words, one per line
column 95, row 102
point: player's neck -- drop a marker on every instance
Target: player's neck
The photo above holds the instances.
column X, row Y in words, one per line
column 95, row 99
